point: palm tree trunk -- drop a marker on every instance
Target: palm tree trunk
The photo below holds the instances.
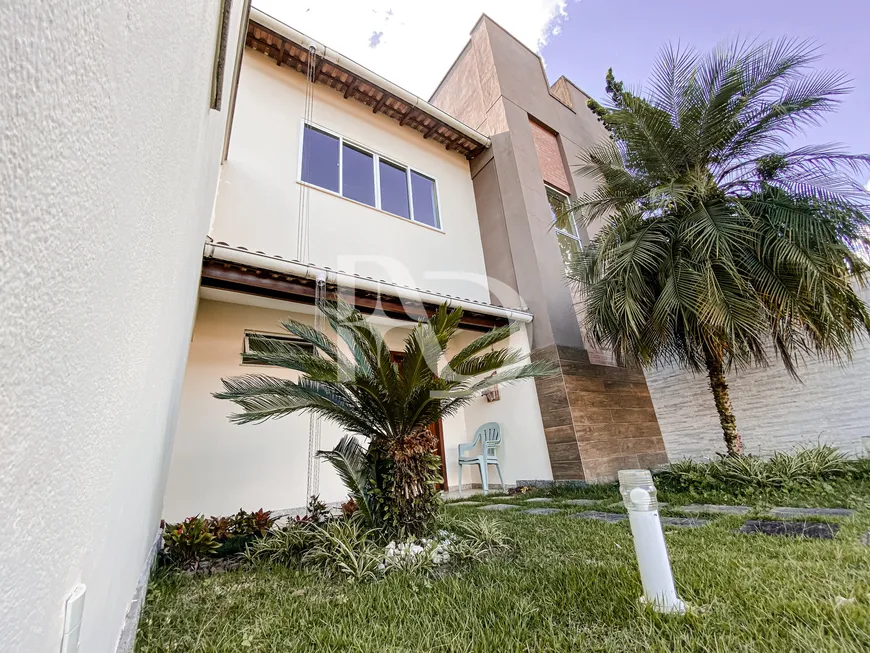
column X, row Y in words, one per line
column 716, row 372
column 412, row 486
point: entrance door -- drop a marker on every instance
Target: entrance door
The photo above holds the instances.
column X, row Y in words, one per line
column 435, row 428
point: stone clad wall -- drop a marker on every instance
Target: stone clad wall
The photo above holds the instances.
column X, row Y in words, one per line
column 774, row 412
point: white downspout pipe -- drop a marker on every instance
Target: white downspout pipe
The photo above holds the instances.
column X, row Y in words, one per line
column 221, row 252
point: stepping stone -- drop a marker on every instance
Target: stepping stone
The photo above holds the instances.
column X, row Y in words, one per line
column 725, row 510
column 539, row 500
column 542, row 511
column 620, row 504
column 584, row 502
column 812, row 529
column 684, row 522
column 465, row 503
column 865, row 539
column 812, row 512
column 498, row 506
column 610, row 517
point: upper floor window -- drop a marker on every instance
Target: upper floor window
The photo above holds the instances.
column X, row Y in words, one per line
column 568, row 235
column 331, row 163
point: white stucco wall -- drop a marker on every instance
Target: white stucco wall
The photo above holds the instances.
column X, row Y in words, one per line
column 830, row 405
column 108, row 167
column 258, row 201
column 218, row 467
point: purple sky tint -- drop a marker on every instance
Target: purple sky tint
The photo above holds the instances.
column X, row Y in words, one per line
column 627, row 35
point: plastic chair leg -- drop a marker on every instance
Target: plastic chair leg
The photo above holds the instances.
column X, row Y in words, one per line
column 484, row 478
column 460, row 480
column 500, row 477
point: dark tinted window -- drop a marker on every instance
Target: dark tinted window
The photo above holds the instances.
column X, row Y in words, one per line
column 358, row 170
column 425, row 203
column 394, row 189
column 264, row 343
column 320, row 159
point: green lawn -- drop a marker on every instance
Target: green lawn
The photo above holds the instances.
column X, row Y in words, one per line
column 571, row 585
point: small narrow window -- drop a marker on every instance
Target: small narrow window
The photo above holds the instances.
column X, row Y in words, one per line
column 425, row 200
column 567, row 233
column 358, row 175
column 258, row 343
column 394, row 189
column 320, row 159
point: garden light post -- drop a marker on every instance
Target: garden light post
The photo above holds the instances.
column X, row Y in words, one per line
column 639, row 497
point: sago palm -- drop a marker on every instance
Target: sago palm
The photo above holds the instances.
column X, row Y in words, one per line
column 386, row 457
column 718, row 244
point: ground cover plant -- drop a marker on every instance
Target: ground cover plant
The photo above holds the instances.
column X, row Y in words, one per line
column 810, row 469
column 197, row 540
column 565, row 584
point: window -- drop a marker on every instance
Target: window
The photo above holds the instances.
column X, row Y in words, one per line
column 569, row 235
column 425, row 199
column 358, row 175
column 394, row 189
column 320, row 159
column 256, row 342
column 331, row 163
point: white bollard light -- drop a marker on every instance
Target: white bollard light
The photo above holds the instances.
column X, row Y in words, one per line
column 639, row 497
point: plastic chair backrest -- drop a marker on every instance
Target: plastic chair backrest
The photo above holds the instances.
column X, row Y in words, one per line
column 490, row 435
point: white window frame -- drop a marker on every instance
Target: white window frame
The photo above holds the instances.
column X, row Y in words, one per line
column 246, row 347
column 576, row 235
column 376, row 158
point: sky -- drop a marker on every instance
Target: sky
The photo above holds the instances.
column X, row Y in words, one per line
column 413, row 43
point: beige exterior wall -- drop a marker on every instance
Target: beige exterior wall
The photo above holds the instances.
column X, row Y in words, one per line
column 258, row 200
column 218, row 467
column 107, row 183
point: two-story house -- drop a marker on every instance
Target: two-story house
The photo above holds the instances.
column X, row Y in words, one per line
column 333, row 175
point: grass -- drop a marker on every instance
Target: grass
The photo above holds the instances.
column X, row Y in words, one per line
column 570, row 585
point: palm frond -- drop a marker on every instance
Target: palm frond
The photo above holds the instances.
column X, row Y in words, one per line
column 348, row 458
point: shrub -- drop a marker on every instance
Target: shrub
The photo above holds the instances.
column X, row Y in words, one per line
column 345, row 548
column 250, row 524
column 283, row 546
column 188, row 543
column 803, row 467
column 317, row 511
column 476, row 539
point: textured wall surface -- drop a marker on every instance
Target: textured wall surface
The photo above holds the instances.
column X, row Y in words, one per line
column 109, row 160
column 774, row 412
column 598, row 419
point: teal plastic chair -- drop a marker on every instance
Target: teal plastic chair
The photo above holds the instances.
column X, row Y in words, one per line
column 489, row 437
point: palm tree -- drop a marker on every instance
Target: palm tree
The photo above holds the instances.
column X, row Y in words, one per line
column 718, row 243
column 391, row 470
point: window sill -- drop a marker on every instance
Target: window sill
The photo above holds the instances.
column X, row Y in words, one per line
column 326, row 191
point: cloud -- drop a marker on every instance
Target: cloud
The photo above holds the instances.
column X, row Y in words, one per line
column 413, row 43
